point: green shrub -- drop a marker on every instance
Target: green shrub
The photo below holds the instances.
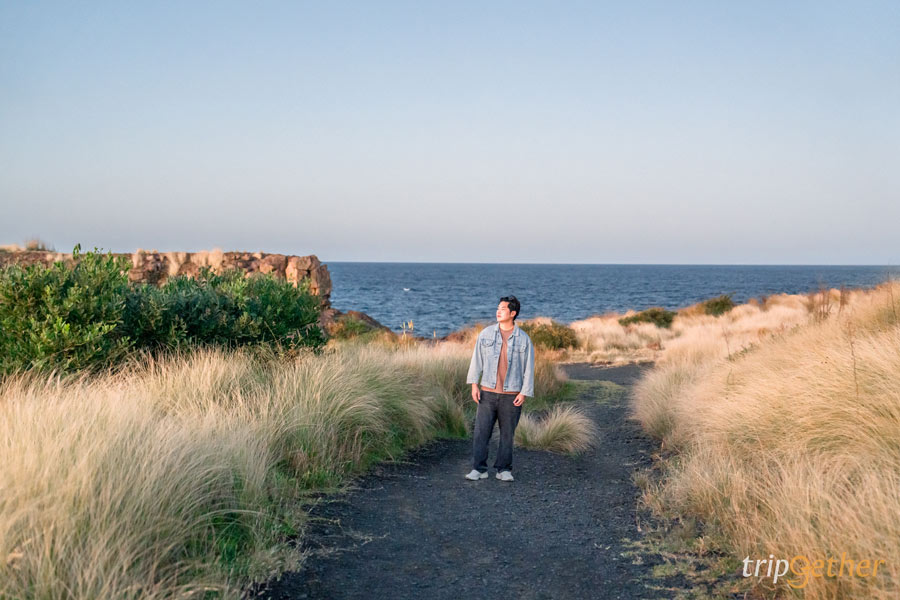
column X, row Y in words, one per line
column 63, row 317
column 273, row 310
column 225, row 310
column 718, row 306
column 553, row 336
column 656, row 315
column 84, row 315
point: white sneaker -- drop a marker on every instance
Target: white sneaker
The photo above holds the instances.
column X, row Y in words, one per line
column 504, row 476
column 475, row 475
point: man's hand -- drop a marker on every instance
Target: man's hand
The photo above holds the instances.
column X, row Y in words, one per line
column 476, row 393
column 519, row 400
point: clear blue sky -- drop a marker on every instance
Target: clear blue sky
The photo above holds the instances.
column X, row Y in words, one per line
column 623, row 132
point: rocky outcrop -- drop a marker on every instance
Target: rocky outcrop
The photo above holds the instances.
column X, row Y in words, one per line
column 155, row 267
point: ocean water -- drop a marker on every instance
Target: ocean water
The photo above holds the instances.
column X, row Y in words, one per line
column 443, row 297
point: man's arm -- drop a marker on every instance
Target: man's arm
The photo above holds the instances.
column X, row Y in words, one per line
column 528, row 374
column 475, row 366
column 475, row 369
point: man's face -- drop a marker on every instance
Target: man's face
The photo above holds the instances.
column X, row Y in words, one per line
column 503, row 312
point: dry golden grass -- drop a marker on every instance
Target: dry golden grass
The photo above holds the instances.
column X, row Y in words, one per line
column 117, row 486
column 183, row 475
column 564, row 429
column 791, row 446
column 603, row 340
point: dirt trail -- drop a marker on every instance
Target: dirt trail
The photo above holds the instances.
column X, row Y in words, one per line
column 418, row 529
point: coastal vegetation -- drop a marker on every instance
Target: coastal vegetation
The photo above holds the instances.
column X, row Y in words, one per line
column 549, row 334
column 563, row 429
column 643, row 337
column 718, row 306
column 88, row 315
column 779, row 423
column 657, row 316
column 163, row 442
column 186, row 472
column 348, row 327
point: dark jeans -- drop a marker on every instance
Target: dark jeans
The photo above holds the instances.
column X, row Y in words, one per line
column 495, row 407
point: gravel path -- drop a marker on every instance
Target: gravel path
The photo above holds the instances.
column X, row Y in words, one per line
column 418, row 529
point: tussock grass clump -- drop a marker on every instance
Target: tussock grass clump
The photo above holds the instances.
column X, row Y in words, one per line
column 790, row 448
column 564, row 429
column 658, row 390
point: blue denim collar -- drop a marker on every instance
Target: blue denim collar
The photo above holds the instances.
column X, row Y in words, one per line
column 514, row 333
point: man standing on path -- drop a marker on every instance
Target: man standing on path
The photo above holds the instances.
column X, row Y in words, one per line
column 503, row 361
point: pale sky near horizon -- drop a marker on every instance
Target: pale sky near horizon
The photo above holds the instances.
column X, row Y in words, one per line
column 584, row 132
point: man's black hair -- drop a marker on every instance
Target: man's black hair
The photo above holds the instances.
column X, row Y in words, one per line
column 513, row 303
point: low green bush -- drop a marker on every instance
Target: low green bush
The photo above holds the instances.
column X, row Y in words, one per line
column 719, row 305
column 553, row 336
column 62, row 317
column 70, row 318
column 225, row 310
column 657, row 315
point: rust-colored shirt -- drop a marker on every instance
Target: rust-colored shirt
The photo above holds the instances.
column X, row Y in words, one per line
column 502, row 365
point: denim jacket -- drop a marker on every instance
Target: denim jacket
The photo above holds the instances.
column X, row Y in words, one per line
column 519, row 354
